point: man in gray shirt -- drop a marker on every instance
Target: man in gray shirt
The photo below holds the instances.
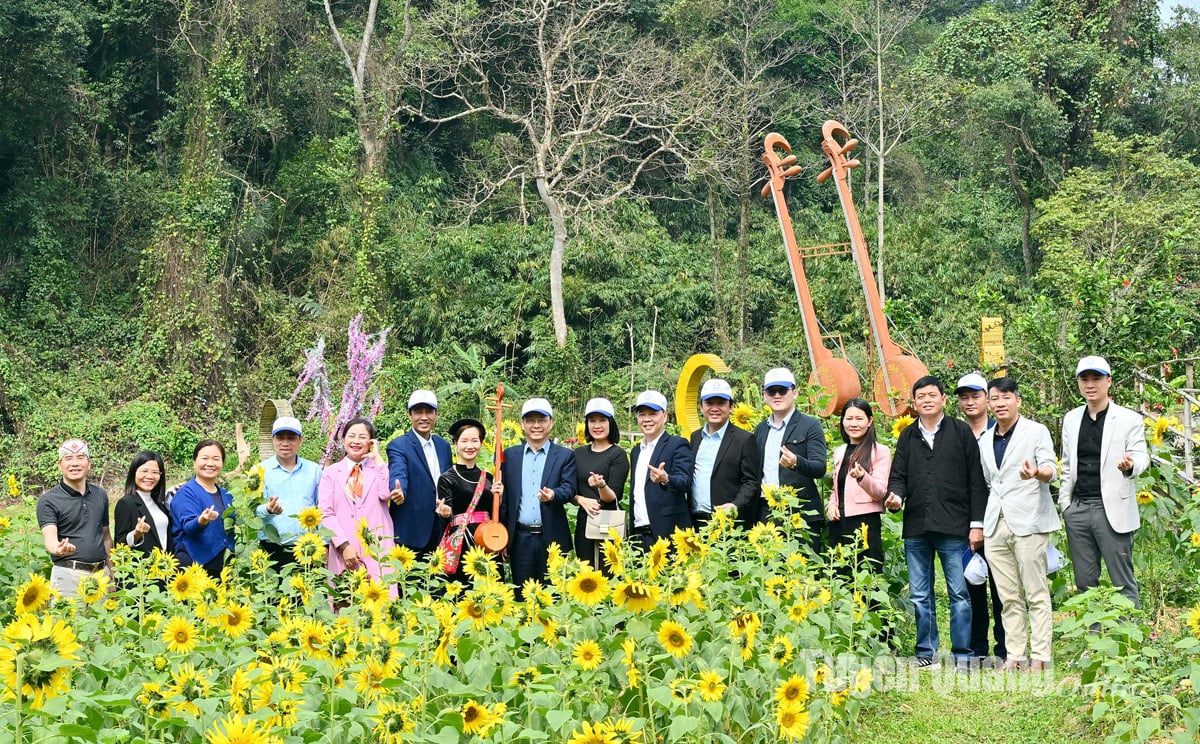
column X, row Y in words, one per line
column 73, row 517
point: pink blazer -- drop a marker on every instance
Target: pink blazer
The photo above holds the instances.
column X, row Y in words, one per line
column 868, row 496
column 341, row 514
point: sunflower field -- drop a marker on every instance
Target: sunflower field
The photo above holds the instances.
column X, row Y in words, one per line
column 718, row 635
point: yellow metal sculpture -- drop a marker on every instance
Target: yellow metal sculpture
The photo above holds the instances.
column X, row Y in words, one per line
column 687, row 392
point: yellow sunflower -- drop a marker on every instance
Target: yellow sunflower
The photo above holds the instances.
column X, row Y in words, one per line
column 743, row 415
column 234, row 620
column 392, row 722
column 33, row 594
column 5, row 523
column 403, row 555
column 588, row 587
column 368, row 680
column 260, row 562
column 93, row 587
column 524, row 677
column 14, row 491
column 862, row 680
column 656, row 559
column 712, row 686
column 190, row 685
column 314, row 639
column 792, row 693
column 180, row 635
column 611, row 550
column 478, row 719
column 309, row 518
column 682, row 690
column 674, row 638
column 782, row 650
column 234, row 730
column 372, row 593
column 44, row 649
column 636, row 596
column 478, row 564
column 255, row 480
column 1193, row 620
column 1195, row 539
column 793, row 723
column 900, row 424
column 1145, row 497
column 587, row 655
column 1159, row 427
column 688, row 544
column 309, row 549
column 590, row 733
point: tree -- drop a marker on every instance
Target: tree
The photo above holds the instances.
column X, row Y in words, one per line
column 585, row 108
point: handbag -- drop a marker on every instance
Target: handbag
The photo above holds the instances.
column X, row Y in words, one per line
column 455, row 535
column 599, row 526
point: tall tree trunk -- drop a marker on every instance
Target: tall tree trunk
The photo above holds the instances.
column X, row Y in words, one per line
column 720, row 314
column 1026, row 209
column 558, row 313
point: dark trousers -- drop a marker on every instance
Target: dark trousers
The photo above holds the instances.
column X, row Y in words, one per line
column 980, row 619
column 1091, row 539
column 280, row 555
column 527, row 555
column 214, row 567
column 846, row 531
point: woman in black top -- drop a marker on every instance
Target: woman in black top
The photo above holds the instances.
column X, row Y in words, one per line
column 456, row 487
column 141, row 517
column 601, row 469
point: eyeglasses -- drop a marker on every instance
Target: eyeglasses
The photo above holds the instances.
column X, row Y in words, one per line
column 774, row 391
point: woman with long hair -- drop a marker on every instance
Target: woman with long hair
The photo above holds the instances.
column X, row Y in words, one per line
column 202, row 532
column 601, row 469
column 142, row 518
column 860, row 478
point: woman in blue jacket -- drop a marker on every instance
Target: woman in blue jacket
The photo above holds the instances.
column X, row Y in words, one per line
column 203, row 533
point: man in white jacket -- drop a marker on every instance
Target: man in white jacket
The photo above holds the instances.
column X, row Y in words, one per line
column 1018, row 462
column 1103, row 452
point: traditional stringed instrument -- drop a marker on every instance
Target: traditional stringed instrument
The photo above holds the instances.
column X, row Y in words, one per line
column 492, row 535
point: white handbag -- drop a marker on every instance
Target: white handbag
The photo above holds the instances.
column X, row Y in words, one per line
column 600, row 525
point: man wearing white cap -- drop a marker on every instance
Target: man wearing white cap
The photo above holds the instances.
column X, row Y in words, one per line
column 538, row 481
column 289, row 484
column 415, row 461
column 726, row 474
column 792, row 448
column 1103, row 452
column 73, row 517
column 662, row 475
column 972, row 395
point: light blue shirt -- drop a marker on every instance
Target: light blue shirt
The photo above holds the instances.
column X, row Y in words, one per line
column 533, row 464
column 295, row 490
column 771, row 451
column 706, row 458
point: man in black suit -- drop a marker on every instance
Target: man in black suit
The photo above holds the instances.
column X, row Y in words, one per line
column 538, row 479
column 792, row 449
column 727, row 472
column 662, row 475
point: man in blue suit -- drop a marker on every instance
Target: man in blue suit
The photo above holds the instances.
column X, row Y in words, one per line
column 538, row 480
column 415, row 461
column 661, row 475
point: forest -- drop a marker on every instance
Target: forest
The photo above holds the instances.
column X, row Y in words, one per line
column 564, row 195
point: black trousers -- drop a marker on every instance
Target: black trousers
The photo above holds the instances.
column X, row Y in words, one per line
column 980, row 619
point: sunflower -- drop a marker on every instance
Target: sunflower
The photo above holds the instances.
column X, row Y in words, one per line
column 712, row 686
column 477, row 563
column 636, row 596
column 309, row 518
column 674, row 639
column 656, row 559
column 525, row 677
column 152, row 699
column 862, row 680
column 611, row 550
column 44, row 650
column 743, row 415
column 590, row 733
column 234, row 620
column 793, row 723
column 822, row 674
column 368, row 680
column 798, row 612
column 234, row 730
column 900, row 424
column 93, row 587
column 190, row 685
column 260, row 561
column 587, row 655
column 14, row 491
column 792, row 693
column 1193, row 620
column 682, row 690
column 403, row 555
column 782, row 650
column 180, row 635
column 588, row 587
column 1195, row 539
column 33, row 594
column 1160, row 426
column 255, row 480
column 314, row 639
column 5, row 523
column 372, row 593
column 392, row 722
column 580, row 432
column 690, row 592
column 478, row 719
column 555, row 560
column 308, row 549
column 163, row 564
column 1145, row 497
column 688, row 544
column 183, row 587
column 744, row 622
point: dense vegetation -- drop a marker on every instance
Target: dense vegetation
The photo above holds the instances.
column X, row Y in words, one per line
column 193, row 191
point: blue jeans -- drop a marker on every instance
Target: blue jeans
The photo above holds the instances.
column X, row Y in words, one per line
column 918, row 553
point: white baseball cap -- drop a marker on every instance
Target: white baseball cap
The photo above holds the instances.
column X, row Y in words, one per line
column 972, row 381
column 287, row 423
column 781, row 376
column 975, row 568
column 537, row 405
column 422, row 398
column 1093, row 364
column 715, row 388
column 599, row 405
column 651, row 399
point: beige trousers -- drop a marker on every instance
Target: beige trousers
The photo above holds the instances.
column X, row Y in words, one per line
column 1018, row 564
column 66, row 580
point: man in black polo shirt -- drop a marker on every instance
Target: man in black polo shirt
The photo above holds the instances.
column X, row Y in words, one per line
column 73, row 517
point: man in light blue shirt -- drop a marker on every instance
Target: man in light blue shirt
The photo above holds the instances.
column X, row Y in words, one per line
column 290, row 484
column 726, row 473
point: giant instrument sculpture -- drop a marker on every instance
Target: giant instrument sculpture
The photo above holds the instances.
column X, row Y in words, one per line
column 492, row 534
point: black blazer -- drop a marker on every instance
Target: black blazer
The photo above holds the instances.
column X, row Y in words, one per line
column 942, row 488
column 125, row 516
column 804, row 436
column 737, row 473
column 558, row 474
column 669, row 507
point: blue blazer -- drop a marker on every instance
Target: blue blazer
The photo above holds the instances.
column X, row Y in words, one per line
column 669, row 507
column 559, row 474
column 414, row 520
column 201, row 543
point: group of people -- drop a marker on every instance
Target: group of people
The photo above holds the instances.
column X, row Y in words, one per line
column 963, row 486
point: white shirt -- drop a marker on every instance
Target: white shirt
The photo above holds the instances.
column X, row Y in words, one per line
column 431, row 458
column 771, row 449
column 929, row 435
column 641, row 517
column 157, row 516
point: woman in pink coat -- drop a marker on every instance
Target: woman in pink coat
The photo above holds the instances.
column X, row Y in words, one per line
column 353, row 491
column 860, row 477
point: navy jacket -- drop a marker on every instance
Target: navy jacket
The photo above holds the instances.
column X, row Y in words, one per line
column 669, row 507
column 804, row 436
column 414, row 520
column 559, row 474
